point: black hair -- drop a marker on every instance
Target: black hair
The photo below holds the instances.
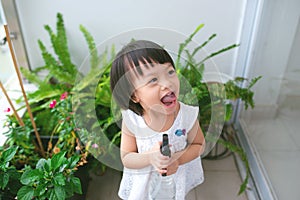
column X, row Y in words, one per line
column 140, row 51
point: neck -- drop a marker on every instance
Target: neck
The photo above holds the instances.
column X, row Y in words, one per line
column 158, row 121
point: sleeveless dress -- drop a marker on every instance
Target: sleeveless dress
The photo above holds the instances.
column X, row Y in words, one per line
column 137, row 184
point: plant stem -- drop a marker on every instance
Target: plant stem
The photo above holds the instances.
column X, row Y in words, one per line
column 23, row 91
column 21, row 123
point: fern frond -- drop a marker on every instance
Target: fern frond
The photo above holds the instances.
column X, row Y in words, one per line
column 253, row 81
column 60, row 45
column 47, row 57
column 203, row 44
column 94, row 58
column 31, row 77
column 219, row 52
column 186, row 42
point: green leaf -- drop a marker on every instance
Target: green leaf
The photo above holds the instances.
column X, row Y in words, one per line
column 59, row 192
column 25, row 193
column 4, row 178
column 41, row 163
column 76, row 184
column 8, row 154
column 40, row 95
column 59, row 179
column 187, row 41
column 40, row 190
column 219, row 52
column 44, row 165
column 47, row 165
column 243, row 187
column 51, row 195
column 94, row 59
column 57, row 160
column 202, row 45
column 229, row 111
column 72, row 161
column 253, row 81
column 30, row 176
column 31, row 77
column 91, row 78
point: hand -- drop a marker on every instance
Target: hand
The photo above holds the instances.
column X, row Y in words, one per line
column 157, row 160
column 172, row 167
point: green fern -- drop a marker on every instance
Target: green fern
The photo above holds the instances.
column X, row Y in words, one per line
column 54, row 68
column 31, row 77
column 94, row 58
column 183, row 45
column 60, row 46
column 61, row 72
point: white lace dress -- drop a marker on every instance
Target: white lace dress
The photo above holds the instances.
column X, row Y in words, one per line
column 136, row 184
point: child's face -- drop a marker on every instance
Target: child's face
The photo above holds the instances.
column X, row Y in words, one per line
column 157, row 89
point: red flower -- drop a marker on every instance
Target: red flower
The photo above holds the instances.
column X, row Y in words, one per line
column 7, row 110
column 64, row 95
column 52, row 104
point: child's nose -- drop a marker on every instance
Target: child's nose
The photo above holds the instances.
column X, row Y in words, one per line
column 164, row 84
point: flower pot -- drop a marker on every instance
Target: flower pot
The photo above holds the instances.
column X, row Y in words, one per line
column 83, row 174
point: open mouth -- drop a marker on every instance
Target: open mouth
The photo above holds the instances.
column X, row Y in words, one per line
column 169, row 99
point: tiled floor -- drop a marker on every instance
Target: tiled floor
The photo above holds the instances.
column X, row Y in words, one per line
column 222, row 182
column 277, row 142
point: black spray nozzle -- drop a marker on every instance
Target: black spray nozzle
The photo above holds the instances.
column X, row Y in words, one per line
column 165, row 149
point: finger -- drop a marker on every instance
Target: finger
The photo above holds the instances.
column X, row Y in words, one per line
column 163, row 171
column 156, row 147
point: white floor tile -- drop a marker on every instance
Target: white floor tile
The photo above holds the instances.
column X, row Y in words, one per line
column 278, row 143
column 271, row 135
column 291, row 120
column 220, row 185
column 283, row 171
column 219, row 165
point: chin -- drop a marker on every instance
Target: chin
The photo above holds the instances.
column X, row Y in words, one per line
column 171, row 108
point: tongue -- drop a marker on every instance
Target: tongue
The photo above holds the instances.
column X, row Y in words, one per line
column 168, row 98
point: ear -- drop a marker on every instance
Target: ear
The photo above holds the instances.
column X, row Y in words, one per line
column 135, row 99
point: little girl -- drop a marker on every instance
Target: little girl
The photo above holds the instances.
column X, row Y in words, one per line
column 145, row 85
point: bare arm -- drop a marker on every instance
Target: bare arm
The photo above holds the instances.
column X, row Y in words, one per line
column 134, row 160
column 194, row 149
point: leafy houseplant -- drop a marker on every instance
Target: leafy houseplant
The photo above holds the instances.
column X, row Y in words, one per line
column 51, row 179
column 214, row 94
column 53, row 111
column 9, row 175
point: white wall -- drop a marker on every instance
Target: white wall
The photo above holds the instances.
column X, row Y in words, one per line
column 105, row 19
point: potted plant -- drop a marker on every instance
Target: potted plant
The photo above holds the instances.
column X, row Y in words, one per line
column 9, row 175
column 50, row 179
column 53, row 106
column 215, row 97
